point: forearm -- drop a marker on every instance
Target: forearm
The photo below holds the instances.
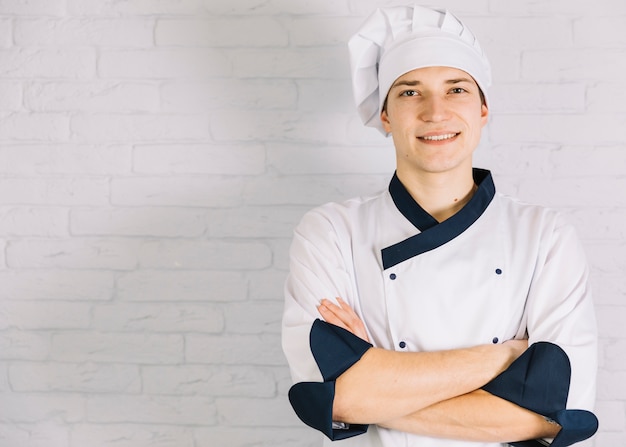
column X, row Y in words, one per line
column 386, row 385
column 477, row 416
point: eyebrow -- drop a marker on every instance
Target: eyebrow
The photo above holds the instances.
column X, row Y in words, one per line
column 413, row 83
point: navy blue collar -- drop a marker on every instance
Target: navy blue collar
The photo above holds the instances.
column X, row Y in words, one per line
column 432, row 233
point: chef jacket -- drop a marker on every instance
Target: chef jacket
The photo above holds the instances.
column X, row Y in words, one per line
column 498, row 269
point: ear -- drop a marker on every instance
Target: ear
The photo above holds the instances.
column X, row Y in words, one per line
column 384, row 118
column 484, row 114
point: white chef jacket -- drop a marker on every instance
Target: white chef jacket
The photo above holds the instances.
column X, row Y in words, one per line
column 498, row 269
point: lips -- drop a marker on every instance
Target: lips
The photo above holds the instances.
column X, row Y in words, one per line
column 439, row 137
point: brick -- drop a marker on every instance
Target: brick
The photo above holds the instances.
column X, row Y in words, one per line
column 533, row 98
column 226, row 93
column 257, row 221
column 325, row 63
column 200, row 159
column 6, row 33
column 312, row 159
column 205, row 255
column 208, row 380
column 512, row 32
column 280, row 248
column 53, row 191
column 38, row 407
column 39, row 434
column 187, row 410
column 611, row 322
column 304, row 31
column 178, row 63
column 583, row 161
column 573, row 192
column 561, row 7
column 610, row 385
column 588, row 130
column 74, row 377
column 607, row 257
column 609, row 438
column 33, row 221
column 24, row 345
column 92, row 96
column 262, row 7
column 606, row 97
column 157, row 318
column 10, row 96
column 32, row 8
column 89, row 346
column 86, row 160
column 181, row 286
column 325, row 96
column 254, row 317
column 573, row 65
column 253, row 126
column 73, row 253
column 297, row 436
column 138, row 7
column 463, row 8
column 260, row 350
column 312, row 190
column 119, row 128
column 596, row 223
column 248, row 412
column 601, row 32
column 58, row 285
column 187, row 191
column 608, row 290
column 120, row 32
column 36, row 127
column 131, row 435
column 46, row 63
column 235, row 32
column 612, row 415
column 44, row 315
column 613, row 348
column 158, row 222
column 266, row 285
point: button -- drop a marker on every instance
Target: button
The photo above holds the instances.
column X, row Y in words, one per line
column 495, row 340
column 402, row 345
column 498, row 271
column 392, row 276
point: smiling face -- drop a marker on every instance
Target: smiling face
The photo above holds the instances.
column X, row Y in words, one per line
column 435, row 116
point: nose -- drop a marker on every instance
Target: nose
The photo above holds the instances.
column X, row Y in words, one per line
column 434, row 109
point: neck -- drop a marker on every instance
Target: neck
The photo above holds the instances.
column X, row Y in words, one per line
column 440, row 195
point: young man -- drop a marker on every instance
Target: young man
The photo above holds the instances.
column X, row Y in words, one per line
column 430, row 292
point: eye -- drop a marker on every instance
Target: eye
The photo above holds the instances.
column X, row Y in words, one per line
column 458, row 90
column 409, row 93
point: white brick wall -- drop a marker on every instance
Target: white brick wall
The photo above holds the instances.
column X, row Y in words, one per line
column 155, row 156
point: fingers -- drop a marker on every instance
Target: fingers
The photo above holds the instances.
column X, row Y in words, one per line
column 342, row 315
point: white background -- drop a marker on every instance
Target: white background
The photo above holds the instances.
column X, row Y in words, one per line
column 156, row 154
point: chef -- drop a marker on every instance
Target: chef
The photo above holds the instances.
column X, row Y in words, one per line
column 437, row 312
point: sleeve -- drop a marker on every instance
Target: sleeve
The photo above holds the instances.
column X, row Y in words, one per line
column 318, row 352
column 560, row 309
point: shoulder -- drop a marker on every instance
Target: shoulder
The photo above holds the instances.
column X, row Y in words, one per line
column 340, row 216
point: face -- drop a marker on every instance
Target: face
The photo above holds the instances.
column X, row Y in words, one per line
column 435, row 116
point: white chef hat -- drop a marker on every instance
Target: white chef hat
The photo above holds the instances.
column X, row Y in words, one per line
column 396, row 40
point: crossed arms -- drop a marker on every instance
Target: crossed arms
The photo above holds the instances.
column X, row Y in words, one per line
column 433, row 394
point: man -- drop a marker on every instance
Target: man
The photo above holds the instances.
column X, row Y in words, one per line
column 430, row 292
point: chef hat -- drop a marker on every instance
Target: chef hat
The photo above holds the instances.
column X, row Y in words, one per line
column 396, row 40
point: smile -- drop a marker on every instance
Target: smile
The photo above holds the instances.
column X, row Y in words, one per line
column 439, row 137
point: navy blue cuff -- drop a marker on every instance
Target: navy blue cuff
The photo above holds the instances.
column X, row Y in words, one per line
column 313, row 403
column 539, row 381
column 335, row 349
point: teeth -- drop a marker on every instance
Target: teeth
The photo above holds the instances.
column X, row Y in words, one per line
column 439, row 137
